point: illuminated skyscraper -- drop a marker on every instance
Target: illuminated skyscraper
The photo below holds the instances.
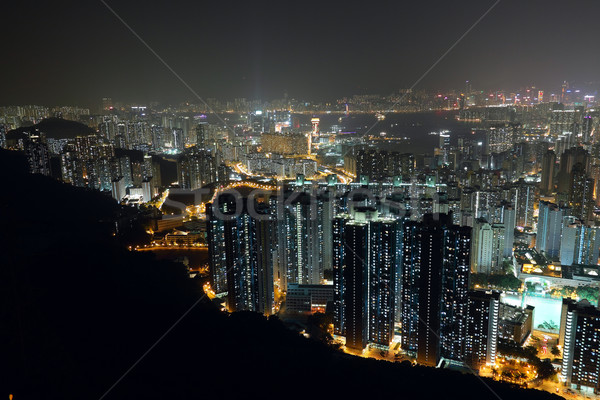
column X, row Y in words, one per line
column 158, row 136
column 524, row 197
column 498, row 246
column 581, row 193
column 580, row 364
column 301, row 224
column 147, row 192
column 548, row 163
column 499, row 139
column 3, row 131
column 579, row 243
column 338, row 265
column 118, row 188
column 587, row 127
column 72, row 170
column 355, row 278
column 569, row 159
column 549, row 229
column 240, row 246
column 482, row 328
column 37, row 153
column 178, row 139
column 201, row 135
column 435, row 276
column 315, row 127
column 509, row 218
column 378, row 165
column 481, row 247
column 364, row 268
column 196, row 168
column 124, row 170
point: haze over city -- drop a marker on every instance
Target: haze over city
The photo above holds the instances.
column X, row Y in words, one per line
column 75, row 52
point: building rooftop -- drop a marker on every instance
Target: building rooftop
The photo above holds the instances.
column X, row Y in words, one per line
column 513, row 314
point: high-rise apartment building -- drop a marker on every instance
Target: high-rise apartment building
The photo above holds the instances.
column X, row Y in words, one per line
column 549, row 229
column 196, row 168
column 435, row 275
column 482, row 328
column 579, row 243
column 548, row 164
column 37, row 153
column 364, row 268
column 581, row 363
column 240, row 244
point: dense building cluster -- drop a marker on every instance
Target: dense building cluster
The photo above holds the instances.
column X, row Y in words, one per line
column 301, row 217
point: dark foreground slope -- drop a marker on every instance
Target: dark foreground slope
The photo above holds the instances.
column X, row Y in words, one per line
column 77, row 311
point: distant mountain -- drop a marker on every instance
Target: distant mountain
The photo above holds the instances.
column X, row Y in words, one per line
column 55, row 128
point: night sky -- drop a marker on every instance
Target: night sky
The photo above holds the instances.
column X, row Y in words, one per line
column 75, row 52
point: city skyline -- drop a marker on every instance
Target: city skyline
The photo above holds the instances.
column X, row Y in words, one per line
column 262, row 199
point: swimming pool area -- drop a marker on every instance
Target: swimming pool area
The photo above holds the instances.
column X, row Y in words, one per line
column 547, row 309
